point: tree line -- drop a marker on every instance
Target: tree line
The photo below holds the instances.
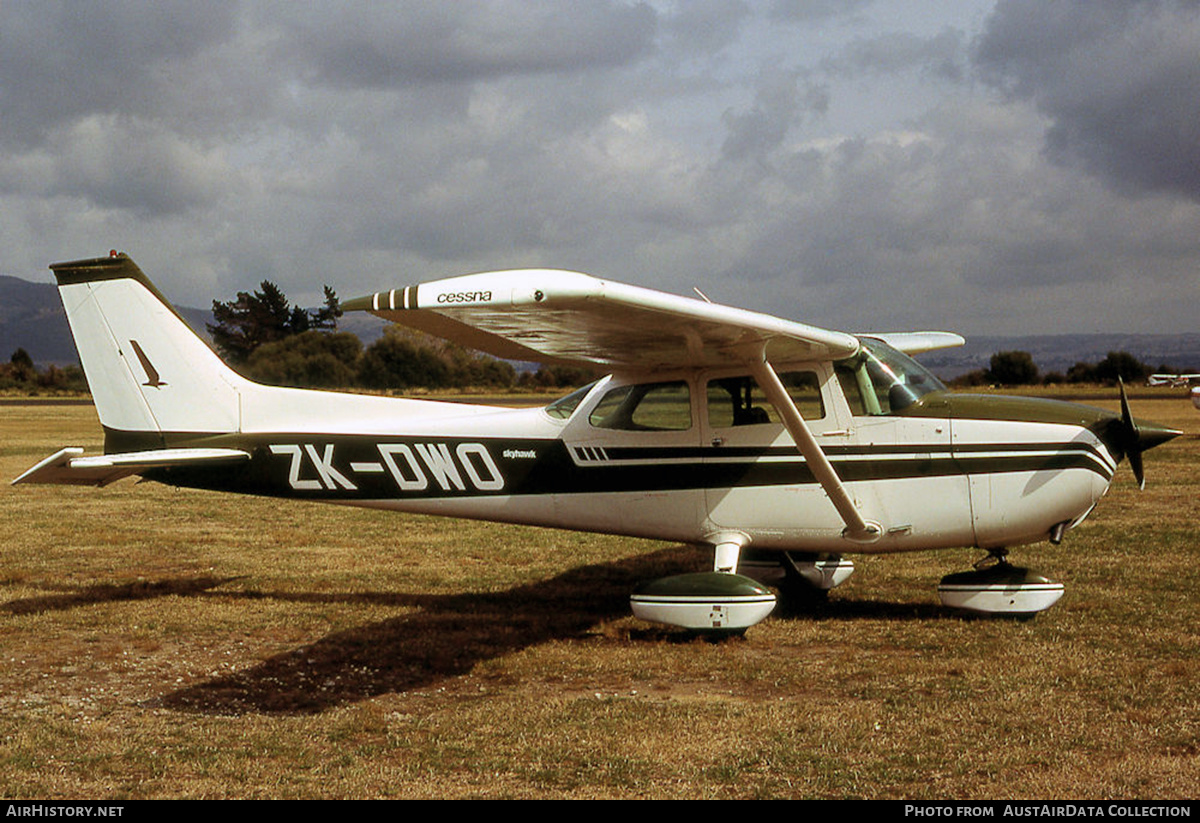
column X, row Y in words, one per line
column 1016, row 368
column 265, row 338
column 20, row 374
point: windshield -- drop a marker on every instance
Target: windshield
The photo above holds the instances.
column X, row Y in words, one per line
column 882, row 380
column 564, row 407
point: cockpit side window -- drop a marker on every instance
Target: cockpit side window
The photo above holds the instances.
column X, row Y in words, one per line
column 645, row 407
column 881, row 380
column 739, row 401
column 856, row 385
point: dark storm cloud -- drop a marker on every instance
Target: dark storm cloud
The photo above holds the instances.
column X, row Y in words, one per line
column 703, row 27
column 761, row 129
column 1119, row 79
column 133, row 165
column 943, row 55
column 63, row 60
column 804, row 158
column 815, row 10
column 390, row 46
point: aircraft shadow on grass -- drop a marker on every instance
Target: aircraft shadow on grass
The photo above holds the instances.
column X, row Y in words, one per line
column 76, row 597
column 446, row 638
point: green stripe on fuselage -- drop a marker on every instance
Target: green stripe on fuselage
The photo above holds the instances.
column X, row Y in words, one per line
column 379, row 467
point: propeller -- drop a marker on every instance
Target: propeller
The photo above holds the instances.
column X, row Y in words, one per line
column 1131, row 439
column 1134, row 437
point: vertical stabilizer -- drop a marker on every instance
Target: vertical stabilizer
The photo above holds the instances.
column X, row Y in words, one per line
column 149, row 373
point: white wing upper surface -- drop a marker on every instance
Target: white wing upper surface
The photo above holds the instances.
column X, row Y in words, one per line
column 554, row 316
column 918, row 342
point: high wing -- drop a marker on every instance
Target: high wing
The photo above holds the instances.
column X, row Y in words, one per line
column 919, row 342
column 567, row 317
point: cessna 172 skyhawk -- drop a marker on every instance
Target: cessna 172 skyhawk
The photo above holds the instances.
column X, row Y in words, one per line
column 1174, row 380
column 756, row 436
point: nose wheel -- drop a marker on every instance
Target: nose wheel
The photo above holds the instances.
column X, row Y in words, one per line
column 996, row 587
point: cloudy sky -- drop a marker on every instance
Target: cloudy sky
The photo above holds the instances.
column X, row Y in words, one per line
column 1010, row 167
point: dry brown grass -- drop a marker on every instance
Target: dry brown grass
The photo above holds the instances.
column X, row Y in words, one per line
column 163, row 643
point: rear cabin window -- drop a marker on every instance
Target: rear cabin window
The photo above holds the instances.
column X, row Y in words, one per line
column 645, row 407
column 740, row 401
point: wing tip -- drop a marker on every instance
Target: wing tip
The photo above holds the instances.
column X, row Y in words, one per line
column 919, row 342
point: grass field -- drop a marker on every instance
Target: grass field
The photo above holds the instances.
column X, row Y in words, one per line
column 165, row 643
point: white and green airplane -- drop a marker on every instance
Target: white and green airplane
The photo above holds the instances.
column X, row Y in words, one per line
column 781, row 446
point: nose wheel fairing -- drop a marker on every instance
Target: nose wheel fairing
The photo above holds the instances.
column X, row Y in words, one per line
column 996, row 587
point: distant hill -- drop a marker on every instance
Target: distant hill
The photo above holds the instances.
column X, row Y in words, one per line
column 31, row 317
column 1058, row 352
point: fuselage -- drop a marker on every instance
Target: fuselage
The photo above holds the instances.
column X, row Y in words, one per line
column 689, row 456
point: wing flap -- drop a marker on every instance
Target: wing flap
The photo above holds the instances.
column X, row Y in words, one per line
column 66, row 467
column 567, row 317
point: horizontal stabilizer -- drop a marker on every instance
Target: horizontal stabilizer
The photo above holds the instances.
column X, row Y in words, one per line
column 66, row 467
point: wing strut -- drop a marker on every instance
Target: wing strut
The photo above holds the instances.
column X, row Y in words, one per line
column 857, row 528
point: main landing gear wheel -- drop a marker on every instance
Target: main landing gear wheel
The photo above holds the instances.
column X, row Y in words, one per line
column 704, row 602
column 821, row 571
column 808, row 578
column 996, row 587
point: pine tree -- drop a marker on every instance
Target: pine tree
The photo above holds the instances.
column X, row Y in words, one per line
column 253, row 320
